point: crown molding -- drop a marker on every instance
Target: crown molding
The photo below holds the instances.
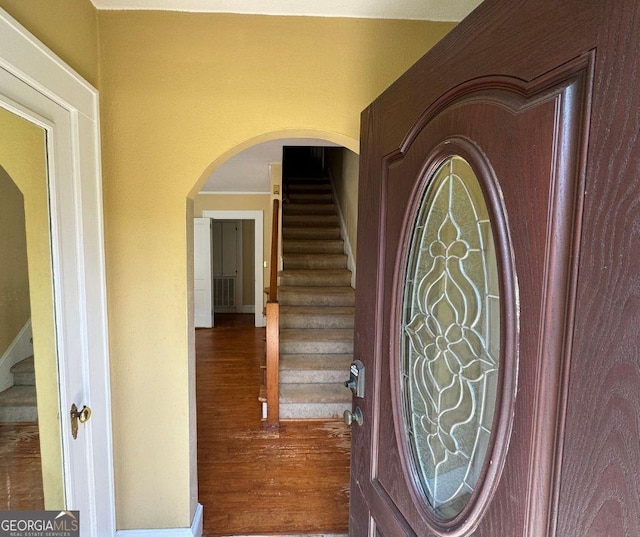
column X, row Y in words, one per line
column 434, row 10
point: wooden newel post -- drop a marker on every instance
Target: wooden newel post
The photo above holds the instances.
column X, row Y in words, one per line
column 273, row 359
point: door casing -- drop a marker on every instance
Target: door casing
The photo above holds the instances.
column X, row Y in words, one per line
column 38, row 86
column 258, row 218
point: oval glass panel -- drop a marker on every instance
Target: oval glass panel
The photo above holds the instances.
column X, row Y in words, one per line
column 450, row 338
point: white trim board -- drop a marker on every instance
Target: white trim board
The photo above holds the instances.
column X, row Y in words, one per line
column 38, row 86
column 435, row 10
column 232, row 193
column 351, row 262
column 194, row 531
column 258, row 217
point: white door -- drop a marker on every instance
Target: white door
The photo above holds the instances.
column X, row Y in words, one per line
column 37, row 86
column 202, row 280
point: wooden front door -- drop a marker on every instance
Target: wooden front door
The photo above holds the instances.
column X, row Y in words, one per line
column 498, row 300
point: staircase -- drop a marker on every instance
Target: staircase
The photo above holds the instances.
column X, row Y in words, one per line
column 316, row 305
column 18, row 403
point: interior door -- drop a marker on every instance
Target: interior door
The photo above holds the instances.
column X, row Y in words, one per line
column 227, row 248
column 202, row 274
column 37, row 86
column 498, row 301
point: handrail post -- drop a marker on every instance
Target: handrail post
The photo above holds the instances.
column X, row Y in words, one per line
column 273, row 328
column 273, row 361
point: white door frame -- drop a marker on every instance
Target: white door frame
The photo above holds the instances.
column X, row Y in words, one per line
column 36, row 85
column 258, row 218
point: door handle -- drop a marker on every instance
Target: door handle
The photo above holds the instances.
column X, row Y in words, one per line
column 81, row 416
column 356, row 415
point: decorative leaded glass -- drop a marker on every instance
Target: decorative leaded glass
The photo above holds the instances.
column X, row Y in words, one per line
column 450, row 338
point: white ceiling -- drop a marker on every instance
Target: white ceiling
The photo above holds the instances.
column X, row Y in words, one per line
column 436, row 10
column 248, row 171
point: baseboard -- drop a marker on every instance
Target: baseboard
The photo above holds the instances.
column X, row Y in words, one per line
column 194, row 531
column 351, row 263
column 293, row 535
column 246, row 309
column 19, row 349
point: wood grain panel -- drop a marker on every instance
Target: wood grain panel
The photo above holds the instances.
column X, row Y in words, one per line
column 533, row 127
column 600, row 481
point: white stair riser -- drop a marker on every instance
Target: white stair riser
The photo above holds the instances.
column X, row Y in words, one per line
column 294, row 299
column 295, row 376
column 24, row 379
column 309, row 208
column 314, row 262
column 19, row 414
column 300, row 411
column 313, row 247
column 316, row 321
column 311, row 233
column 313, row 220
column 18, row 404
column 307, row 197
column 316, row 280
column 315, row 347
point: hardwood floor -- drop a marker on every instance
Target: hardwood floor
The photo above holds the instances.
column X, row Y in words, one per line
column 253, row 480
column 20, row 469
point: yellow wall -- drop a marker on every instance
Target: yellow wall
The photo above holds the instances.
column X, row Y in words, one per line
column 68, row 27
column 178, row 92
column 22, row 155
column 14, row 279
column 345, row 168
column 181, row 91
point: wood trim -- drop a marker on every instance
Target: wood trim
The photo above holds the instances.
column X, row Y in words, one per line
column 351, row 262
column 38, row 86
column 273, row 364
column 564, row 229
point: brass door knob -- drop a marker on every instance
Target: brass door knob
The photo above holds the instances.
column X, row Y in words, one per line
column 356, row 415
column 81, row 416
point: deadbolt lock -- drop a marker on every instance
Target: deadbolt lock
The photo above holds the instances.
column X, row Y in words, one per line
column 78, row 416
column 356, row 378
